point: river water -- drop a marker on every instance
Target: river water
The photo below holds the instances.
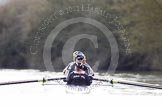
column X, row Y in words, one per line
column 57, row 94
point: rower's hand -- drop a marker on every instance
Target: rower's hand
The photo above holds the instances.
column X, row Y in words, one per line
column 64, row 72
column 91, row 74
column 84, row 67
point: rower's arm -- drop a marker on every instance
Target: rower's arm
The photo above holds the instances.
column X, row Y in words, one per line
column 65, row 69
column 91, row 72
column 68, row 68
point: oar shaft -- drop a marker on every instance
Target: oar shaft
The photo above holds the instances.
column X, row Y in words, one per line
column 30, row 81
column 51, row 79
column 18, row 82
column 141, row 84
column 104, row 80
column 130, row 83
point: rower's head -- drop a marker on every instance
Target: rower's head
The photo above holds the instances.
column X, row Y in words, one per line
column 80, row 57
column 77, row 54
column 79, row 60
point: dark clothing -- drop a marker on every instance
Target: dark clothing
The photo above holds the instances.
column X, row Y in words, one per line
column 78, row 78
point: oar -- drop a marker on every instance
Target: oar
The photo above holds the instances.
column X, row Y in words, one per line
column 31, row 81
column 130, row 83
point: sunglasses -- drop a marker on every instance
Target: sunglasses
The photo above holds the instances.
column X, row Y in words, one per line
column 80, row 59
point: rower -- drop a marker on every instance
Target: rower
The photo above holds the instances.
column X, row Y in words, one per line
column 78, row 70
column 84, row 63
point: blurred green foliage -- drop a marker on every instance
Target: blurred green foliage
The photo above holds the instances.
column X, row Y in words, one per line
column 141, row 19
